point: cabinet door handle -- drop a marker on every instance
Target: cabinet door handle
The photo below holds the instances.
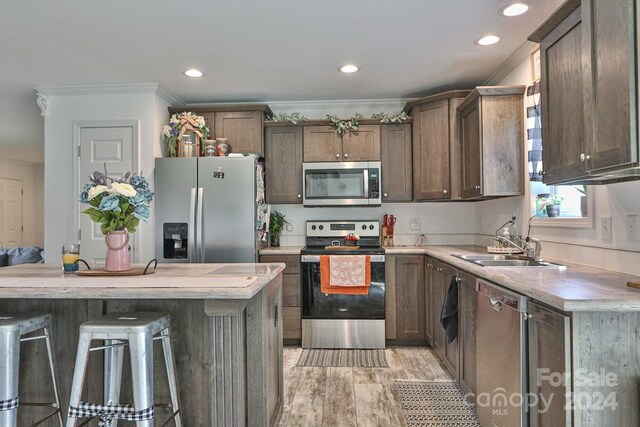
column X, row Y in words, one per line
column 584, row 157
column 444, row 191
column 477, row 187
column 299, row 196
column 337, row 156
column 384, row 194
column 346, row 155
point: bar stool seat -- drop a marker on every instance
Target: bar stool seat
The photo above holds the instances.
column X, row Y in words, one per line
column 13, row 328
column 138, row 330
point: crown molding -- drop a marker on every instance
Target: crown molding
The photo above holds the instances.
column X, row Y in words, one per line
column 511, row 63
column 173, row 99
column 106, row 89
column 369, row 103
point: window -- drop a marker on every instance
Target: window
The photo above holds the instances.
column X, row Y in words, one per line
column 561, row 205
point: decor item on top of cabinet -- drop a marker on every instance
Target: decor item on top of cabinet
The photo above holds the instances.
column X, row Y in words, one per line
column 223, row 147
column 293, row 118
column 344, row 126
column 118, row 206
column 209, row 147
column 397, row 117
column 552, row 205
column 181, row 124
column 277, row 220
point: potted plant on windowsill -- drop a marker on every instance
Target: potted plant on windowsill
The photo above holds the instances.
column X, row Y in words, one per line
column 552, row 205
column 277, row 220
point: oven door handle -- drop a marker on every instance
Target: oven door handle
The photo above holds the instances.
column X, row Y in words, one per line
column 316, row 258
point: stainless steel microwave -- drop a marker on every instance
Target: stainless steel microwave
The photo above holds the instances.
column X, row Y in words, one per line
column 341, row 183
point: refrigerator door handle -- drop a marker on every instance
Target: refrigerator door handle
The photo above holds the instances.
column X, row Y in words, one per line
column 200, row 249
column 191, row 247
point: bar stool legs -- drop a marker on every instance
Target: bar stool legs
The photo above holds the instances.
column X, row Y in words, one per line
column 13, row 329
column 138, row 330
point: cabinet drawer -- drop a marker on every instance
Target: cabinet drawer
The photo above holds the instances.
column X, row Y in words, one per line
column 291, row 290
column 292, row 261
column 291, row 323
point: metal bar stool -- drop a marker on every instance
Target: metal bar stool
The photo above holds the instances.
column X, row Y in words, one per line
column 138, row 330
column 12, row 330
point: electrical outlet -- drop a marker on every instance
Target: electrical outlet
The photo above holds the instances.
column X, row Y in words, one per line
column 605, row 225
column 289, row 227
column 632, row 229
column 415, row 224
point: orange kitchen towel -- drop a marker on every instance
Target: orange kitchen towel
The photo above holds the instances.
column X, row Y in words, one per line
column 345, row 274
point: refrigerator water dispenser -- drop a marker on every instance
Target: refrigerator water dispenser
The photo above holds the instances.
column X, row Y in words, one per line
column 175, row 240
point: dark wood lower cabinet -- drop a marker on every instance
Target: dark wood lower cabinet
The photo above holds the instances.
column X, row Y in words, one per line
column 467, row 332
column 291, row 313
column 404, row 276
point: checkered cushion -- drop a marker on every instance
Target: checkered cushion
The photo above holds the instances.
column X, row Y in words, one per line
column 108, row 413
column 7, row 405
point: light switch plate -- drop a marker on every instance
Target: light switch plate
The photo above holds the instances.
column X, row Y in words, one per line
column 415, row 224
column 605, row 225
column 289, row 227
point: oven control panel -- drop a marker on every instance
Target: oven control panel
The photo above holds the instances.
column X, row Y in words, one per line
column 343, row 228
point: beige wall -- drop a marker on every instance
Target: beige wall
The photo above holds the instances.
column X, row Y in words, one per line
column 32, row 177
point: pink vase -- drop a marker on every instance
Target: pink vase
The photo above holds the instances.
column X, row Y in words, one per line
column 117, row 251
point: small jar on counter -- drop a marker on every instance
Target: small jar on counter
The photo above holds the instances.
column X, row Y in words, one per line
column 209, row 147
column 223, row 147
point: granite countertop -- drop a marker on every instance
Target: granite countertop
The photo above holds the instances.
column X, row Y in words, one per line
column 181, row 281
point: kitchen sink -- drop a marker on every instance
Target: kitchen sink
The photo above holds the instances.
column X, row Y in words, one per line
column 507, row 261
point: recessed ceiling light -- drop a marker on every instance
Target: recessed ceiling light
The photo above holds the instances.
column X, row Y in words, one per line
column 514, row 9
column 487, row 40
column 193, row 73
column 349, row 68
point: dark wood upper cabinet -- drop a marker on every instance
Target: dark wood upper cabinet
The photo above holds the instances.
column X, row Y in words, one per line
column 283, row 160
column 436, row 158
column 241, row 124
column 589, row 92
column 395, row 155
column 561, row 98
column 491, row 139
column 324, row 144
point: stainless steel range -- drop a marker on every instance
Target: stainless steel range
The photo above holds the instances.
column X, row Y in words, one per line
column 342, row 320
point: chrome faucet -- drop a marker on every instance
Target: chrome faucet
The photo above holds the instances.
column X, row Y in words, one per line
column 530, row 250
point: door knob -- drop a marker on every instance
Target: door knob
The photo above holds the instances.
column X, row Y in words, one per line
column 337, row 156
column 346, row 155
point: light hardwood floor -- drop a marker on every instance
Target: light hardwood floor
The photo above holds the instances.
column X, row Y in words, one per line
column 363, row 397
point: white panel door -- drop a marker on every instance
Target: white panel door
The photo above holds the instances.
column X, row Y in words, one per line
column 10, row 212
column 100, row 146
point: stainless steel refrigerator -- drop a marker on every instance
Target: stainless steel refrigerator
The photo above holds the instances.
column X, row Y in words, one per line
column 205, row 209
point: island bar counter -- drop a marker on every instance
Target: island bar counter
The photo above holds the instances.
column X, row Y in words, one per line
column 226, row 332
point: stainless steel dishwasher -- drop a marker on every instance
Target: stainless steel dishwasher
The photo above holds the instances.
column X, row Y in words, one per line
column 501, row 356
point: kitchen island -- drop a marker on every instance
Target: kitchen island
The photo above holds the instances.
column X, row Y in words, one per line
column 226, row 330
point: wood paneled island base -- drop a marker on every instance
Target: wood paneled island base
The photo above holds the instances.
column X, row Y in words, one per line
column 227, row 337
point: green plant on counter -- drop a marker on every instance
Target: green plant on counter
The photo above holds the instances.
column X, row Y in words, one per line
column 277, row 220
column 550, row 201
column 293, row 118
column 391, row 117
column 344, row 126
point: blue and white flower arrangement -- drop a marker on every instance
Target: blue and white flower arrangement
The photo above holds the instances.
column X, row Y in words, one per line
column 117, row 204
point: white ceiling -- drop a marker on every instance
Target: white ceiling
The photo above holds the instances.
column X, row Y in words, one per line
column 282, row 50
